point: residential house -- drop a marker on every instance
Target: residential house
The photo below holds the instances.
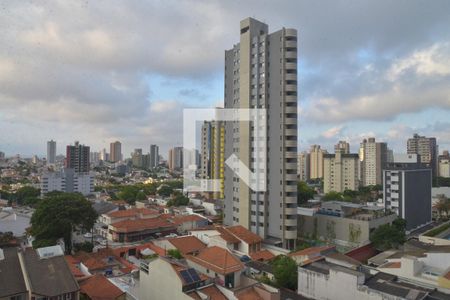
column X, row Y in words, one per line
column 185, row 244
column 11, row 277
column 98, row 287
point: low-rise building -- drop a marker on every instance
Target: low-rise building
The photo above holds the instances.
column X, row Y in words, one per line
column 98, row 287
column 343, row 223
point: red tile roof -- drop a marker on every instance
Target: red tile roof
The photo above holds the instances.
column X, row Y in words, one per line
column 98, row 287
column 218, row 260
column 213, row 293
column 73, row 265
column 262, row 255
column 141, row 225
column 244, row 234
column 188, row 218
column 132, row 212
column 311, row 251
column 187, row 244
column 249, row 294
column 227, row 236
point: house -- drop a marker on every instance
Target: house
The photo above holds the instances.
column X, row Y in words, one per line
column 11, row 277
column 139, row 229
column 104, row 262
column 219, row 264
column 234, row 238
column 185, row 223
column 48, row 274
column 98, row 287
column 185, row 244
column 324, row 279
column 311, row 253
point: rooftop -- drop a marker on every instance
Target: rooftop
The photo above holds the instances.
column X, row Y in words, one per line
column 98, row 287
column 50, row 276
column 187, row 244
column 132, row 212
column 217, row 259
column 11, row 273
column 244, row 234
column 141, row 225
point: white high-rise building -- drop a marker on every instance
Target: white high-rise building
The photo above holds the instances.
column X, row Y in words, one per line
column 67, row 180
column 261, row 72
column 340, row 172
column 373, row 157
column 51, row 152
column 316, row 162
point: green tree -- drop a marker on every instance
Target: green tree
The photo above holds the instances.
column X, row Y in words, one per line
column 178, row 200
column 332, row 195
column 58, row 215
column 389, row 236
column 285, row 272
column 27, row 195
column 304, row 192
column 165, row 190
column 175, row 253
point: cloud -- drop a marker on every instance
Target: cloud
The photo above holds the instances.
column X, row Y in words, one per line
column 333, row 132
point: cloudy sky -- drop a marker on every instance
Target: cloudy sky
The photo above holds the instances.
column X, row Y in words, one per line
column 99, row 71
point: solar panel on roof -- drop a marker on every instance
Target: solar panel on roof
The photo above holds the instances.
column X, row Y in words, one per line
column 186, row 277
column 194, row 275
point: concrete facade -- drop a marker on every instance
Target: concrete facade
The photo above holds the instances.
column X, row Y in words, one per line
column 340, row 172
column 316, row 162
column 255, row 79
column 303, row 166
column 373, row 157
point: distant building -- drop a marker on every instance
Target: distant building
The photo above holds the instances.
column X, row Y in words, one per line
column 427, row 149
column 77, row 158
column 175, row 158
column 303, row 166
column 2, row 155
column 340, row 172
column 316, row 162
column 68, row 181
column 115, row 151
column 343, row 146
column 373, row 157
column 444, row 164
column 212, row 162
column 154, row 156
column 104, row 155
column 51, row 152
column 137, row 158
column 407, row 190
column 94, row 158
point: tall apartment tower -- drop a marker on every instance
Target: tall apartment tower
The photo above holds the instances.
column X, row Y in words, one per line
column 137, row 158
column 316, row 162
column 115, row 151
column 261, row 72
column 303, row 166
column 212, row 163
column 51, row 152
column 427, row 149
column 154, row 156
column 340, row 172
column 175, row 159
column 77, row 158
column 373, row 157
column 343, row 146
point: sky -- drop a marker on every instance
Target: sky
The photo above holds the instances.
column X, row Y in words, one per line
column 106, row 70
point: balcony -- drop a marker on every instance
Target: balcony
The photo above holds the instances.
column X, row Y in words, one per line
column 291, row 44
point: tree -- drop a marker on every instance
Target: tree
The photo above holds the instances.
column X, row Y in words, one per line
column 285, row 272
column 389, row 236
column 304, row 192
column 443, row 206
column 26, row 195
column 332, row 195
column 58, row 215
column 178, row 200
column 165, row 190
column 175, row 253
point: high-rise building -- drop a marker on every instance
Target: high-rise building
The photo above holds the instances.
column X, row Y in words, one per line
column 77, row 158
column 427, row 150
column 104, row 155
column 115, row 151
column 373, row 157
column 137, row 158
column 303, row 166
column 154, row 156
column 340, row 172
column 316, row 162
column 51, row 152
column 254, row 79
column 343, row 146
column 407, row 190
column 175, row 159
column 2, row 155
column 94, row 158
column 212, row 164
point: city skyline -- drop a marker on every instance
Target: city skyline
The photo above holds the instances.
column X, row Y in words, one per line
column 386, row 78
